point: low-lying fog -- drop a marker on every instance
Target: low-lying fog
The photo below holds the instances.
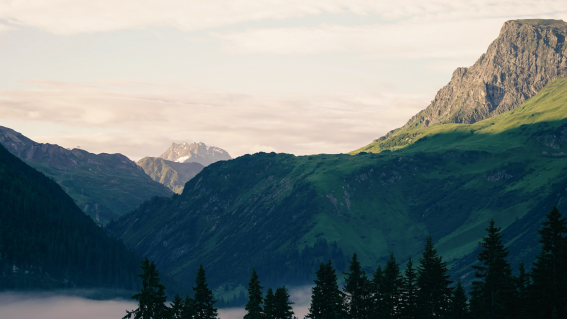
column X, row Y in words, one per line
column 57, row 306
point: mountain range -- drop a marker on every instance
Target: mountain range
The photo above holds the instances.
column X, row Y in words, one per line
column 476, row 153
column 180, row 163
column 105, row 186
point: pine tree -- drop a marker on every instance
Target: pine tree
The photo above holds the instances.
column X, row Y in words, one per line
column 283, row 309
column 434, row 293
column 254, row 306
column 327, row 301
column 356, row 289
column 270, row 305
column 409, row 292
column 151, row 299
column 549, row 289
column 459, row 308
column 203, row 302
column 492, row 295
column 391, row 288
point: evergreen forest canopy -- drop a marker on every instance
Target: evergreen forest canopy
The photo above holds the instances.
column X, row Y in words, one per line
column 47, row 242
column 423, row 291
column 273, row 212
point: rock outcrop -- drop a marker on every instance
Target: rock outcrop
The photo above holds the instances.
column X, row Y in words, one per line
column 518, row 64
column 171, row 174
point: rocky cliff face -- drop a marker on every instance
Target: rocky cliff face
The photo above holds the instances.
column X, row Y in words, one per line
column 104, row 186
column 196, row 152
column 519, row 63
column 171, row 174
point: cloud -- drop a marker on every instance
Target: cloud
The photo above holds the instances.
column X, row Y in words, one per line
column 142, row 120
column 420, row 40
column 76, row 16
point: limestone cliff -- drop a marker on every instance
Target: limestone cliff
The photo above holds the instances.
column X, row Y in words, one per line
column 519, row 63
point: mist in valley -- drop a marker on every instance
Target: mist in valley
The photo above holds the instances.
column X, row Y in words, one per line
column 14, row 305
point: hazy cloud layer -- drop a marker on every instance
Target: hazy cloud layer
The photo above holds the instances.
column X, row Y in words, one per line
column 54, row 306
column 422, row 40
column 48, row 306
column 75, row 16
column 143, row 119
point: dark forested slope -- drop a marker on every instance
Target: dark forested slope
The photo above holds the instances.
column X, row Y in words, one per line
column 46, row 241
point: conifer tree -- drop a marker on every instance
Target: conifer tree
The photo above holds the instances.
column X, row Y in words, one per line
column 327, row 301
column 177, row 307
column 391, row 288
column 203, row 302
column 254, row 306
column 433, row 282
column 549, row 275
column 409, row 292
column 522, row 296
column 283, row 309
column 357, row 291
column 376, row 293
column 492, row 295
column 270, row 305
column 459, row 308
column 151, row 299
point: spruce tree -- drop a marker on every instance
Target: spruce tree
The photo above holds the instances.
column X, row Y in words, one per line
column 376, row 293
column 433, row 282
column 177, row 307
column 270, row 305
column 459, row 308
column 151, row 299
column 409, row 292
column 357, row 291
column 492, row 295
column 203, row 302
column 254, row 306
column 327, row 301
column 391, row 288
column 522, row 296
column 283, row 309
column 549, row 275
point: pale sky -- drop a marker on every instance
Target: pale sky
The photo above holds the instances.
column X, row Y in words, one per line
column 293, row 76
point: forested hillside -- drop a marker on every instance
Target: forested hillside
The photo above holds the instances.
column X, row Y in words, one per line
column 447, row 181
column 47, row 242
column 105, row 186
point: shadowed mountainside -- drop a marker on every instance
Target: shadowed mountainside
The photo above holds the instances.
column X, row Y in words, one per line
column 105, row 186
column 173, row 175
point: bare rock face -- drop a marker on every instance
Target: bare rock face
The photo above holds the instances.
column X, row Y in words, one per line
column 196, row 152
column 519, row 63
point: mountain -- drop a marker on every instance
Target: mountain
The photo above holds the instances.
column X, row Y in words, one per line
column 526, row 56
column 195, row 152
column 272, row 211
column 174, row 175
column 105, row 186
column 47, row 242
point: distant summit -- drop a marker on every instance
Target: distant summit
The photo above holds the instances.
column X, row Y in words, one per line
column 526, row 56
column 195, row 152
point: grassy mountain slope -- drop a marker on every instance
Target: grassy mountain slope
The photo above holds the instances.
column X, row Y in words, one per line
column 447, row 180
column 47, row 242
column 105, row 186
column 171, row 174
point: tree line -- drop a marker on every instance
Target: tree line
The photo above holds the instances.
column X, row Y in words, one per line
column 421, row 292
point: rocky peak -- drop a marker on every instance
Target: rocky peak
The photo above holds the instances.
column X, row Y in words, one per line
column 195, row 152
column 519, row 63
